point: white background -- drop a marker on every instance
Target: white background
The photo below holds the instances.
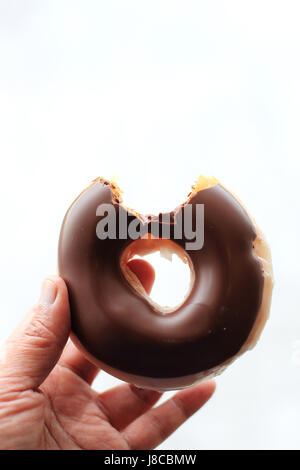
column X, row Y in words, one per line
column 157, row 92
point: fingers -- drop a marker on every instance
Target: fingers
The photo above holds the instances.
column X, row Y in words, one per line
column 144, row 271
column 74, row 360
column 33, row 349
column 157, row 424
column 125, row 403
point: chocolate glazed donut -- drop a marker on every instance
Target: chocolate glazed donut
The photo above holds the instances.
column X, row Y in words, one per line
column 114, row 321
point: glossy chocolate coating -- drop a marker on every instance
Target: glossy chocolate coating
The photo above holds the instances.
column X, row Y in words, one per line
column 118, row 327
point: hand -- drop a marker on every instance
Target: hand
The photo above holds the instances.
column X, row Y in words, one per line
column 46, row 399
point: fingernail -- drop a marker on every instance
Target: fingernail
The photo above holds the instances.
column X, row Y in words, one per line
column 48, row 292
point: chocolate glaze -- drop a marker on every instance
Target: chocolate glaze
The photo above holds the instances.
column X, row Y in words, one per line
column 121, row 329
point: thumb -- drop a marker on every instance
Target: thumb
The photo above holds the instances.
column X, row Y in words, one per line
column 33, row 349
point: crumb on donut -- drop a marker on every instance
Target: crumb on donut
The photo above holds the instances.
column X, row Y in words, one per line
column 203, row 182
column 115, row 188
column 117, row 191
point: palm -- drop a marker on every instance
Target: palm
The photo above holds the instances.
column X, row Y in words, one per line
column 70, row 414
column 66, row 413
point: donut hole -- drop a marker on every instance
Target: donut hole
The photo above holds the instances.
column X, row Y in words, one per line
column 173, row 272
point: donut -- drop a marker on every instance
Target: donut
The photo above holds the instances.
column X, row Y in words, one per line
column 120, row 328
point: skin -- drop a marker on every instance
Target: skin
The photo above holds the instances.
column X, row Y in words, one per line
column 46, row 398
